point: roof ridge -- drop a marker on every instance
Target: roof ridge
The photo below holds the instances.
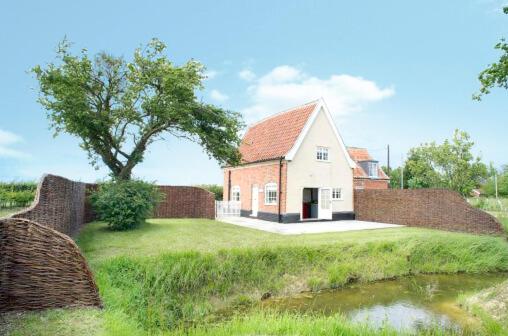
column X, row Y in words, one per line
column 282, row 112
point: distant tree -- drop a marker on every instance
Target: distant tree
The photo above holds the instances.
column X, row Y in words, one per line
column 488, row 186
column 394, row 176
column 496, row 74
column 118, row 108
column 450, row 165
column 419, row 168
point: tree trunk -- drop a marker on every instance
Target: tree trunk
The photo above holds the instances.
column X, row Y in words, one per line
column 125, row 174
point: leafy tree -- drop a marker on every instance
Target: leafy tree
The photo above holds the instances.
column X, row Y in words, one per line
column 450, row 165
column 394, row 176
column 419, row 169
column 496, row 74
column 118, row 108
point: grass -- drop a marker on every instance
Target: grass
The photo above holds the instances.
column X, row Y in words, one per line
column 175, row 276
column 496, row 207
column 8, row 211
column 54, row 322
column 268, row 323
column 490, row 203
column 159, row 236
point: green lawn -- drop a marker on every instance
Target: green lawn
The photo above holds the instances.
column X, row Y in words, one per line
column 8, row 211
column 171, row 274
column 176, row 235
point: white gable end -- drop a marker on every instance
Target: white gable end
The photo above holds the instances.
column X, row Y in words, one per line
column 307, row 168
column 320, row 108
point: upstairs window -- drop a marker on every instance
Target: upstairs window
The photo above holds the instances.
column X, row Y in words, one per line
column 235, row 193
column 336, row 194
column 271, row 194
column 373, row 169
column 322, row 153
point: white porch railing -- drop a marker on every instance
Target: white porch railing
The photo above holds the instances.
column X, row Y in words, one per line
column 227, row 208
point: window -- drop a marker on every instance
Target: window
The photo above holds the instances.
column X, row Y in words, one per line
column 373, row 169
column 235, row 193
column 271, row 194
column 337, row 194
column 322, row 154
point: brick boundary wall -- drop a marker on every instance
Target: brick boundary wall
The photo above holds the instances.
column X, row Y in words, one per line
column 430, row 208
column 185, row 202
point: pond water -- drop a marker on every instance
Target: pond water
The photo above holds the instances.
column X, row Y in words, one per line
column 409, row 303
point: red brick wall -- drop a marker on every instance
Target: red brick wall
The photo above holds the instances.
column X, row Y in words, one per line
column 260, row 174
column 185, row 202
column 431, row 208
column 362, row 183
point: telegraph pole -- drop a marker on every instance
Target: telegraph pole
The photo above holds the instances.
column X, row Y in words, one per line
column 495, row 183
column 388, row 159
column 402, row 171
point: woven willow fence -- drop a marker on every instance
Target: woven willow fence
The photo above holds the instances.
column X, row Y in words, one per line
column 42, row 268
column 40, row 265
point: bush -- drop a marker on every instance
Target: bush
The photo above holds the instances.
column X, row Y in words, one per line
column 125, row 204
column 213, row 188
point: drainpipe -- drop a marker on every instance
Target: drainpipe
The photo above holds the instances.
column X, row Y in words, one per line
column 280, row 188
column 229, row 185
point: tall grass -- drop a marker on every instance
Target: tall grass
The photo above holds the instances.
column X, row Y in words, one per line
column 496, row 207
column 270, row 323
column 176, row 290
column 490, row 203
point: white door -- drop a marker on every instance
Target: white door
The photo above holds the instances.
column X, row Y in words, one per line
column 325, row 203
column 254, row 198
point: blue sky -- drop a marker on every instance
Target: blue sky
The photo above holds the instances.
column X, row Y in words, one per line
column 392, row 72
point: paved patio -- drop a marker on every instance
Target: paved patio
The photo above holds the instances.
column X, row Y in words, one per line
column 303, row 228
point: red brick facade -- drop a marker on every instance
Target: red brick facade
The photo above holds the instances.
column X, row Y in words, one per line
column 257, row 174
column 366, row 183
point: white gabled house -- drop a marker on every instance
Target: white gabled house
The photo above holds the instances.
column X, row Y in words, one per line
column 295, row 167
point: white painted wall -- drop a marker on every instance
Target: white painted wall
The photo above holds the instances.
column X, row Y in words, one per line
column 304, row 171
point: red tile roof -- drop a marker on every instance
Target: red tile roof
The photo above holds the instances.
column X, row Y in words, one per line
column 361, row 154
column 273, row 137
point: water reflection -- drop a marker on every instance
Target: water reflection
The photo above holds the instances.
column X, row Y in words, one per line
column 409, row 303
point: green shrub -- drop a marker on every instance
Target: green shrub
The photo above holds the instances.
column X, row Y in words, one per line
column 213, row 188
column 125, row 204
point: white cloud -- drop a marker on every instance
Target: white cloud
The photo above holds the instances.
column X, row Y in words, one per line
column 247, row 75
column 218, row 96
column 210, row 74
column 7, row 139
column 286, row 86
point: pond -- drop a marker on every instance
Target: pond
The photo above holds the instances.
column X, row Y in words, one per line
column 410, row 303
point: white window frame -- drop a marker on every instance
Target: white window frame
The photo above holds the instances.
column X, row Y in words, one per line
column 235, row 191
column 373, row 168
column 321, row 152
column 338, row 191
column 269, row 188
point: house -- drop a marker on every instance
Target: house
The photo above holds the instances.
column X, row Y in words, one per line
column 295, row 167
column 476, row 193
column 367, row 174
